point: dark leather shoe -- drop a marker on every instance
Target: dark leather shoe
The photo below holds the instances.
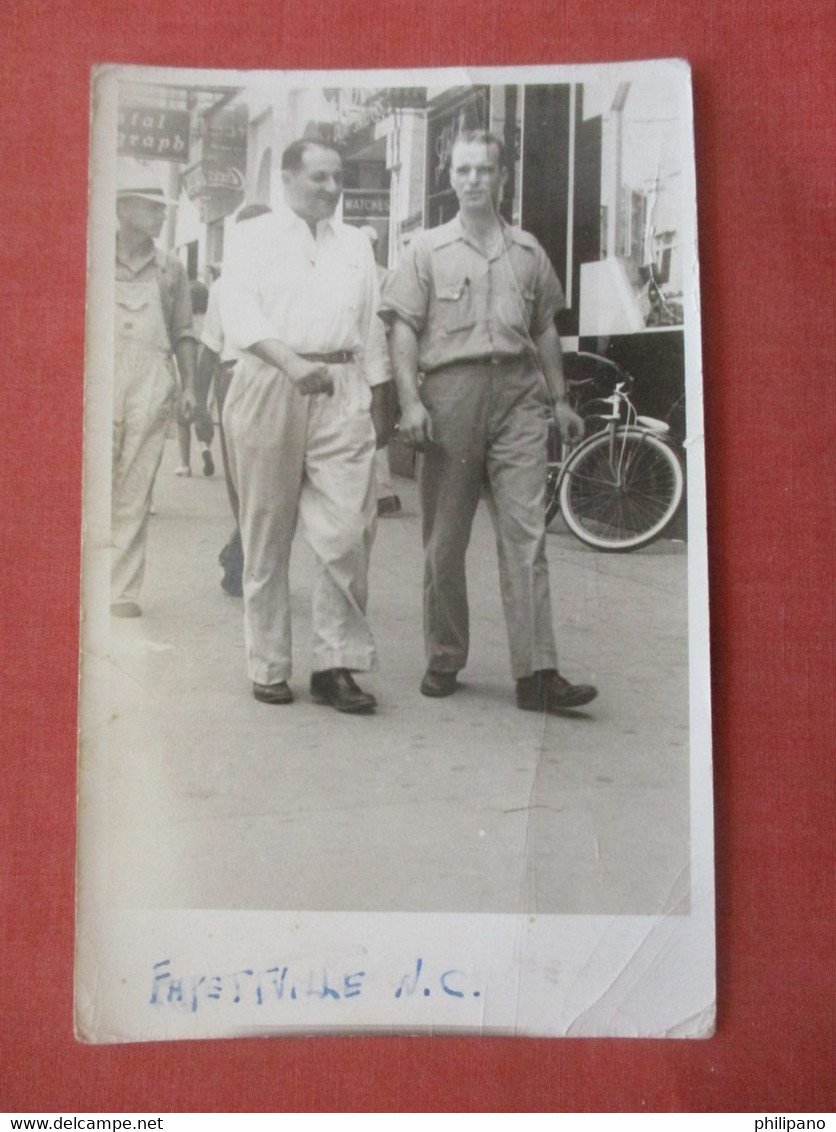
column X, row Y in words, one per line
column 438, row 684
column 548, row 691
column 273, row 693
column 338, row 688
column 231, row 584
column 231, row 559
column 389, row 505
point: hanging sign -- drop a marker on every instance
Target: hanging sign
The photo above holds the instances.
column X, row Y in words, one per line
column 365, row 204
column 217, row 182
column 151, row 132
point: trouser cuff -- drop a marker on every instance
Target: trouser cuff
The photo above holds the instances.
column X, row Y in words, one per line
column 354, row 662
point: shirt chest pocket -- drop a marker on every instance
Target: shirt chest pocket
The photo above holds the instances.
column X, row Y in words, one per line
column 456, row 305
column 518, row 308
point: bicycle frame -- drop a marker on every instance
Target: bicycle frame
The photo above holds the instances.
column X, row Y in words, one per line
column 617, row 428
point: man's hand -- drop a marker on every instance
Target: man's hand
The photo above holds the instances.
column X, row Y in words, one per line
column 571, row 425
column 416, row 427
column 187, row 409
column 310, row 377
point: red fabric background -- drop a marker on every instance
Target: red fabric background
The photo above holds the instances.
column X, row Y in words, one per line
column 764, row 91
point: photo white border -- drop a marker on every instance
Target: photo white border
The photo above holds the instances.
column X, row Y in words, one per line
column 616, row 976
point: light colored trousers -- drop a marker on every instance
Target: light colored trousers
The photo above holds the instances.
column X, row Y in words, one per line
column 312, row 459
column 490, row 428
column 144, row 391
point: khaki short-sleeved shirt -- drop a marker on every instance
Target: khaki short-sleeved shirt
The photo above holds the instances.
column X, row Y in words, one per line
column 465, row 305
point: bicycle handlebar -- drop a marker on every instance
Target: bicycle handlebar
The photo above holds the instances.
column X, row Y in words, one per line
column 619, row 370
column 597, row 358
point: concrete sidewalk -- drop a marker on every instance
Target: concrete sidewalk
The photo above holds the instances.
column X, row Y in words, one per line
column 464, row 804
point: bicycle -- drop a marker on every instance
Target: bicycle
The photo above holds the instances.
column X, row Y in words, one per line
column 619, row 488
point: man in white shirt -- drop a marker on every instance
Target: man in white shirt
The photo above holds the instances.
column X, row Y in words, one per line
column 302, row 419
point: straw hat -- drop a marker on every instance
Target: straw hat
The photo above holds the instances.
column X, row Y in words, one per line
column 134, row 179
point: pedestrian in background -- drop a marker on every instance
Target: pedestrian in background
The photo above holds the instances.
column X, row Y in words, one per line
column 153, row 324
column 202, row 421
column 473, row 304
column 388, row 502
column 215, row 368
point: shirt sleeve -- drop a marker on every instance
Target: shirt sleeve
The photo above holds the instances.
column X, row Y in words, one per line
column 548, row 295
column 406, row 290
column 213, row 335
column 374, row 359
column 242, row 315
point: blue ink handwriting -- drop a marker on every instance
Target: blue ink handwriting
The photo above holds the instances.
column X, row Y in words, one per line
column 251, row 987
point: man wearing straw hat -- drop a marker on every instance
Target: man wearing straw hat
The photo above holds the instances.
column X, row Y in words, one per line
column 153, row 325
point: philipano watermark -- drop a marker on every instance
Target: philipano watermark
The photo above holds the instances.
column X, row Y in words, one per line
column 787, row 1123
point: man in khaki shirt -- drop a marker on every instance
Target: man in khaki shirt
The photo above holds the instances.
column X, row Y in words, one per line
column 473, row 305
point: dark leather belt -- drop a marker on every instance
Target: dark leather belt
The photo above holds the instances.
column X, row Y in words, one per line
column 487, row 360
column 335, row 358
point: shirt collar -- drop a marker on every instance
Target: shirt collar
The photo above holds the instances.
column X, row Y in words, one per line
column 139, row 259
column 292, row 219
column 458, row 231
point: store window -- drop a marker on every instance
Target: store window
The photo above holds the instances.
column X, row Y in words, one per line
column 450, row 116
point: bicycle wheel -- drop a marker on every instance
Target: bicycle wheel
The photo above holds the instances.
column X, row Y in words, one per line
column 619, row 492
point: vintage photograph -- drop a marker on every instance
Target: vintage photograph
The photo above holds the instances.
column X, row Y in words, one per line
column 395, row 703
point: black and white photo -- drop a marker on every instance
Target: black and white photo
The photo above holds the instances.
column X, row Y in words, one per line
column 395, row 702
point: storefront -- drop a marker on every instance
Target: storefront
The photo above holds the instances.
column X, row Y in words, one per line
column 593, row 173
column 367, row 195
column 215, row 183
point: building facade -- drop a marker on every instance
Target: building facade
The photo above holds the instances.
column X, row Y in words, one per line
column 594, row 174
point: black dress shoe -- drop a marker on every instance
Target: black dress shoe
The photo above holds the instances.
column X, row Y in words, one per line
column 389, row 505
column 231, row 559
column 337, row 688
column 438, row 684
column 231, row 584
column 273, row 693
column 548, row 691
